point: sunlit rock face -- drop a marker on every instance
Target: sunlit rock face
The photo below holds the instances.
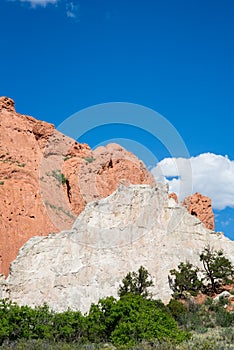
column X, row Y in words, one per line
column 47, row 178
column 201, row 207
column 136, row 225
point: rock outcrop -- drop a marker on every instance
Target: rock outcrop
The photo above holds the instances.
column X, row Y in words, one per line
column 201, row 207
column 174, row 196
column 134, row 226
column 46, row 178
column 22, row 213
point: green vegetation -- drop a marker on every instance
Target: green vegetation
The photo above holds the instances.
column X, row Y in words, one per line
column 127, row 321
column 200, row 318
column 67, row 157
column 22, row 165
column 132, row 322
column 60, row 177
column 212, row 341
column 11, row 161
column 136, row 283
column 218, row 271
column 217, row 268
column 60, row 209
column 185, row 280
column 135, row 321
column 1, row 182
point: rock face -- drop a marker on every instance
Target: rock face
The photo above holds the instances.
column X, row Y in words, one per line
column 98, row 174
column 22, row 214
column 200, row 206
column 174, row 196
column 136, row 225
column 46, row 178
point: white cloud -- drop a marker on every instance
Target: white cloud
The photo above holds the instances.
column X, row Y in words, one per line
column 43, row 3
column 73, row 9
column 212, row 175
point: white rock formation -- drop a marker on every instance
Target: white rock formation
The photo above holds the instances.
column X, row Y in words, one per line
column 136, row 225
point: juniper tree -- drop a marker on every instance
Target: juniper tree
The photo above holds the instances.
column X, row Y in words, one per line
column 136, row 283
column 218, row 269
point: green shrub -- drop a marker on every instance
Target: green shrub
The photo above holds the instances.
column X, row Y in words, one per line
column 224, row 318
column 69, row 326
column 130, row 320
column 177, row 309
column 60, row 177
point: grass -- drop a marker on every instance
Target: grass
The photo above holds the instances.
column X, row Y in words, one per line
column 22, row 165
column 214, row 339
column 58, row 175
column 67, row 157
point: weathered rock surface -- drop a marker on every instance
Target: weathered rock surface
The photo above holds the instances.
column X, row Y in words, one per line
column 46, row 178
column 174, row 196
column 97, row 174
column 200, row 206
column 134, row 226
column 22, row 213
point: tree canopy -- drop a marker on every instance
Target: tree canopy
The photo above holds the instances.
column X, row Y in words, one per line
column 218, row 270
column 136, row 283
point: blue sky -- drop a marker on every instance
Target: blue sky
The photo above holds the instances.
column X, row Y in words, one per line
column 175, row 57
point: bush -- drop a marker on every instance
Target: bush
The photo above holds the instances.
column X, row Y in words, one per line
column 23, row 322
column 177, row 309
column 60, row 177
column 224, row 318
column 130, row 320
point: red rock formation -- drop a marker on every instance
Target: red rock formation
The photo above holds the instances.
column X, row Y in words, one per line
column 201, row 207
column 174, row 196
column 94, row 175
column 22, row 214
column 46, row 178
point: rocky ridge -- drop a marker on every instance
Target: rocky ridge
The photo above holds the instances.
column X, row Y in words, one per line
column 136, row 225
column 201, row 207
column 47, row 178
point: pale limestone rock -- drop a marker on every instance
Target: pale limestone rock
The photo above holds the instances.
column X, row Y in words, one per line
column 136, row 225
column 225, row 294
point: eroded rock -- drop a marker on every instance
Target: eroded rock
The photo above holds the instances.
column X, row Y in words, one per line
column 134, row 226
column 47, row 178
column 201, row 207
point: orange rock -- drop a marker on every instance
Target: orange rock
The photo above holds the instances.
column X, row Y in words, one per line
column 22, row 214
column 201, row 207
column 7, row 103
column 174, row 196
column 46, row 178
column 99, row 173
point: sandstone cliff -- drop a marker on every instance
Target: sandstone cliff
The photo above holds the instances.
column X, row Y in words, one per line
column 201, row 207
column 136, row 225
column 46, row 178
